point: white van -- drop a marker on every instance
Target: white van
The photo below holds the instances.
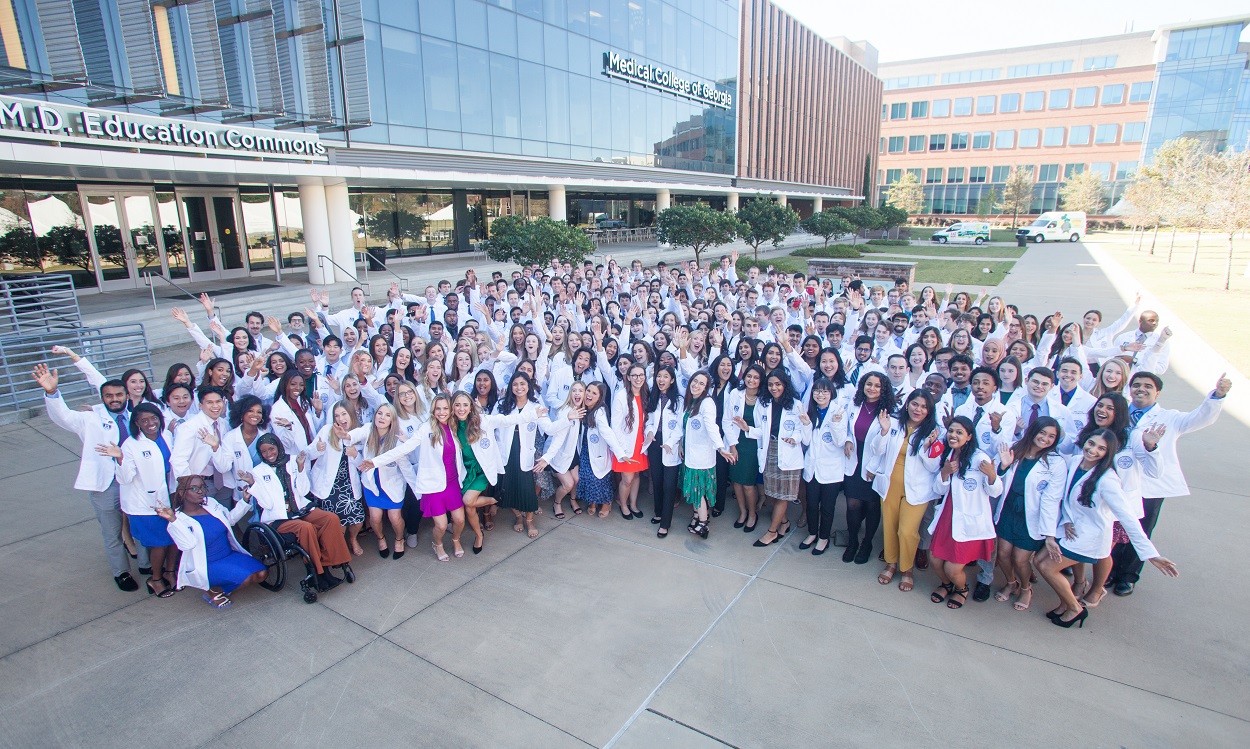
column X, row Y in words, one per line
column 1055, row 226
column 964, row 232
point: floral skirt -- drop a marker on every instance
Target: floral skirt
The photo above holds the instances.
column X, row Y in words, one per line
column 698, row 485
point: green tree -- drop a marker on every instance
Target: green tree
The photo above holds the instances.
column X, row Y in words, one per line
column 1017, row 193
column 827, row 224
column 861, row 218
column 697, row 227
column 1084, row 192
column 989, row 202
column 68, row 244
column 766, row 221
column 18, row 246
column 538, row 241
column 396, row 227
column 891, row 217
column 907, row 194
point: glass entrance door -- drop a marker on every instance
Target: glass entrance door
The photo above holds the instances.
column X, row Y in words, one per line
column 125, row 239
column 213, row 240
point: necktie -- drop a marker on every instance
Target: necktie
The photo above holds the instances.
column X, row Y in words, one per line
column 855, row 374
column 123, row 430
column 1141, row 338
column 329, row 369
column 1065, row 398
column 1134, row 416
column 1033, row 413
column 977, row 417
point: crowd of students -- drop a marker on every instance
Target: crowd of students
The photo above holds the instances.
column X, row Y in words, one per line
column 967, row 432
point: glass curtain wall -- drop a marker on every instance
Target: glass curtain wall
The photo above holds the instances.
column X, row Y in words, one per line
column 401, row 223
column 42, row 231
column 1196, row 88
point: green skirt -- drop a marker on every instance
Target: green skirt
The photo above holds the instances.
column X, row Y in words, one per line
column 698, row 485
column 747, row 470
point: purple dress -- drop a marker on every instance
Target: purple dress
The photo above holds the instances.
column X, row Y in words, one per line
column 441, row 503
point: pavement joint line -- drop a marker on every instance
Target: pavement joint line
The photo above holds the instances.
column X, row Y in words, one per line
column 1013, row 651
column 36, row 470
column 646, row 703
column 44, row 533
column 664, row 551
column 671, row 719
column 487, row 692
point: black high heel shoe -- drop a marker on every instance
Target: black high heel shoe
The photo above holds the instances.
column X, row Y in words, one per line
column 1078, row 620
column 739, row 523
column 750, row 528
column 852, row 547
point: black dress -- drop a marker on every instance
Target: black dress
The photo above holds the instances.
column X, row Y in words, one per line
column 516, row 486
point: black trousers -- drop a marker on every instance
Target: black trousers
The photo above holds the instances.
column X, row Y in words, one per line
column 723, row 486
column 821, row 502
column 663, row 485
column 411, row 512
column 1126, row 567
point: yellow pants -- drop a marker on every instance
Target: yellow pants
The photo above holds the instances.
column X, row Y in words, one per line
column 901, row 528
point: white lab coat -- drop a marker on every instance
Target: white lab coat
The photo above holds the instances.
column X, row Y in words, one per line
column 702, row 437
column 789, row 457
column 825, row 460
column 391, row 476
column 189, row 537
column 563, row 436
column 667, row 421
column 269, row 495
column 95, row 471
column 192, row 456
column 1093, row 524
column 972, row 502
column 294, row 440
column 325, row 464
column 141, row 478
column 1168, row 480
column 987, row 439
column 1058, row 412
column 918, row 469
column 1043, row 493
column 601, row 443
column 526, row 425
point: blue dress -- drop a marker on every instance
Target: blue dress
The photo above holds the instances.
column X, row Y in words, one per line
column 591, row 488
column 227, row 568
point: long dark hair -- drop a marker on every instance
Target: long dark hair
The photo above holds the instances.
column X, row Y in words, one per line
column 1086, row 497
column 1026, row 440
column 926, row 426
column 508, row 403
column 714, row 367
column 669, row 399
column 788, row 394
column 251, row 341
column 492, row 395
column 171, row 375
column 409, row 372
column 287, row 376
column 839, row 377
column 887, row 400
column 631, row 416
column 244, row 404
column 147, row 396
column 694, row 404
column 605, row 402
column 1119, row 421
column 813, row 411
column 965, row 452
column 290, row 363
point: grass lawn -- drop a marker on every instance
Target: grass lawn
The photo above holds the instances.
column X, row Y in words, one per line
column 962, row 272
column 946, row 250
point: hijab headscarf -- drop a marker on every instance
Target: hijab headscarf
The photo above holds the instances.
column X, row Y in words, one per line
column 279, row 466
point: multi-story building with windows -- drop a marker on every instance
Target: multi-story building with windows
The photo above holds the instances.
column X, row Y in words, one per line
column 960, row 123
column 204, row 139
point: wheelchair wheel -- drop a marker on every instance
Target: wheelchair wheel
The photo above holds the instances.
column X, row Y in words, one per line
column 309, row 589
column 348, row 573
column 263, row 544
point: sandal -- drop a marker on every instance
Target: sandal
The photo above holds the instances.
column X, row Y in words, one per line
column 946, row 589
column 457, row 549
column 906, row 583
column 518, row 526
column 1091, row 604
column 962, row 593
column 440, row 553
column 559, row 511
column 489, row 524
column 218, row 601
column 604, row 510
column 533, row 532
column 1026, row 597
column 1005, row 593
column 887, row 574
column 577, row 510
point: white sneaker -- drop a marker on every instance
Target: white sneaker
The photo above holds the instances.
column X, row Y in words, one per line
column 411, row 540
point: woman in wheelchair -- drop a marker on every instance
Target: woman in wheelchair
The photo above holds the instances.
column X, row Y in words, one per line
column 280, row 487
column 212, row 558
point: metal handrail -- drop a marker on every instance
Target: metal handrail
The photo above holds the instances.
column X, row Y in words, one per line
column 403, row 282
column 147, row 279
column 321, row 263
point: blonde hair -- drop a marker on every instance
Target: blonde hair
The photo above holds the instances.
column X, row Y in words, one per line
column 568, row 402
column 400, row 409
column 353, row 423
column 1101, row 389
column 376, row 445
column 472, row 423
column 436, row 428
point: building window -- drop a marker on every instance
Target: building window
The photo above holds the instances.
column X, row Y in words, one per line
column 933, row 175
column 1101, row 168
column 882, row 147
column 896, row 144
column 1009, row 103
column 1140, row 92
column 963, row 106
column 1209, row 41
column 980, row 141
column 1049, row 173
column 937, row 142
column 1113, row 94
column 917, row 173
column 915, row 143
column 985, row 104
column 1000, row 174
column 919, row 109
column 1133, row 132
column 971, row 76
column 910, row 81
column 1034, row 101
column 955, row 175
column 1125, row 169
column 1078, row 135
column 1029, row 137
column 959, row 141
column 1086, row 96
column 898, row 110
column 1071, row 170
column 941, row 108
column 1026, row 168
column 893, row 175
column 885, row 112
column 1100, row 63
column 1106, row 133
column 1053, row 136
column 1005, row 139
column 1039, row 68
column 1060, row 98
column 976, row 174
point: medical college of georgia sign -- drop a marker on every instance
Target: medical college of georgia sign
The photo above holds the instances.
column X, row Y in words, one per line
column 62, row 123
column 629, row 69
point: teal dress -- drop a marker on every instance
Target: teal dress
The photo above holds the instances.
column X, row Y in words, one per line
column 474, row 479
column 747, row 470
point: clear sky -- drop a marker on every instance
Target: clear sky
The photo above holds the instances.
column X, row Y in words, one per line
column 906, row 29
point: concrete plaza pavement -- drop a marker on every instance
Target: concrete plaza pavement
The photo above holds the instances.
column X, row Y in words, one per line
column 599, row 634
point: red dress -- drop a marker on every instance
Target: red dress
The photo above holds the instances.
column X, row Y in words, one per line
column 639, row 461
column 945, row 546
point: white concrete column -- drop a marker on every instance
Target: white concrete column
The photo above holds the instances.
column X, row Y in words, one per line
column 663, row 200
column 312, row 207
column 731, row 201
column 557, row 203
column 781, row 200
column 818, row 204
column 342, row 229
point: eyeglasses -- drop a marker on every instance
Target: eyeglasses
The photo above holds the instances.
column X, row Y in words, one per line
column 198, row 489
